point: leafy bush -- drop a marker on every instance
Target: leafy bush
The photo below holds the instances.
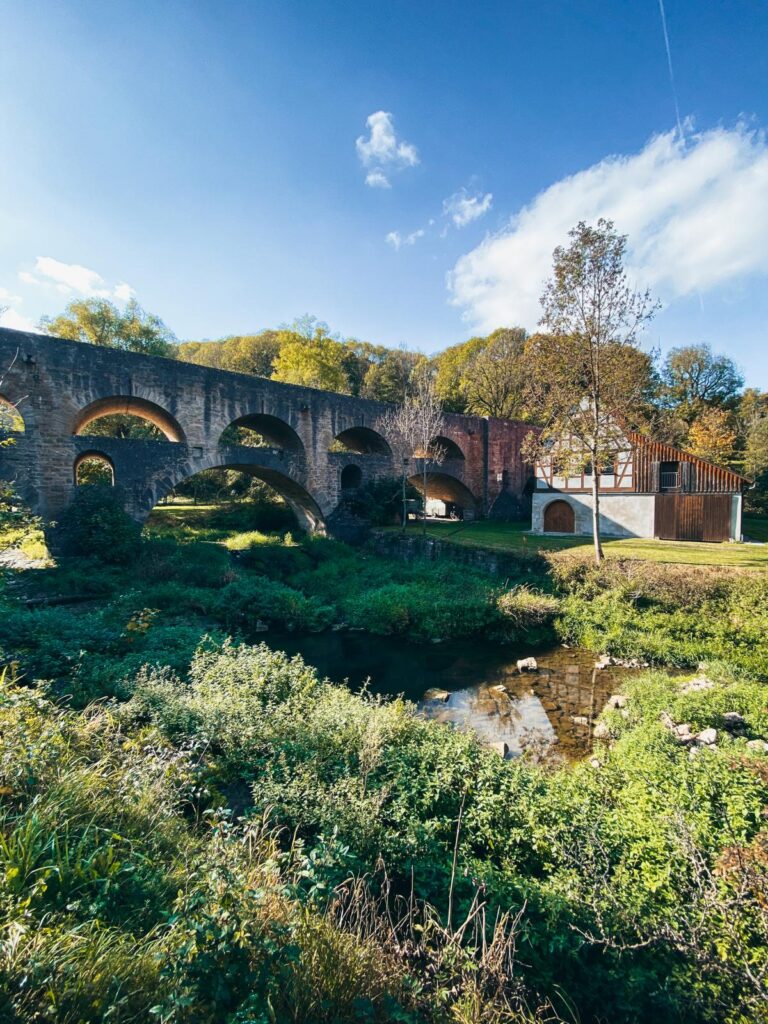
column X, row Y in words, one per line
column 246, row 601
column 380, row 501
column 96, row 525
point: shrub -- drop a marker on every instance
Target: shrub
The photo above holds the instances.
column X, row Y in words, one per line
column 524, row 609
column 248, row 600
column 95, row 524
column 380, row 502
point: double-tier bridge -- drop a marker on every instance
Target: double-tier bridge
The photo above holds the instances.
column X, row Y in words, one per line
column 316, row 446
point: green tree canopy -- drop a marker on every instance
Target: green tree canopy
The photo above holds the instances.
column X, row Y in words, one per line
column 493, row 378
column 694, row 377
column 100, row 322
column 450, row 366
column 309, row 355
column 240, row 353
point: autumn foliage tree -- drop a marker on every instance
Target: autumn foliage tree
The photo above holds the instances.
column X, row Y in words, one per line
column 713, row 436
column 589, row 371
column 100, row 322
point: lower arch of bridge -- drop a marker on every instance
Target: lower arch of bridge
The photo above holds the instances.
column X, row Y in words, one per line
column 128, row 405
column 297, row 497
column 276, row 433
column 93, row 467
column 446, row 488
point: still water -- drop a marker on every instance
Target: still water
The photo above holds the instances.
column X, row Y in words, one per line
column 546, row 713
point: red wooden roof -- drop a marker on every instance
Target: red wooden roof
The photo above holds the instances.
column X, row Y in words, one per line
column 708, row 476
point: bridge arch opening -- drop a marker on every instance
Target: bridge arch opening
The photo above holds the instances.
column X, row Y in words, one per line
column 11, row 420
column 447, row 489
column 260, row 430
column 448, row 448
column 361, row 441
column 351, row 477
column 240, row 498
column 94, row 468
column 117, row 417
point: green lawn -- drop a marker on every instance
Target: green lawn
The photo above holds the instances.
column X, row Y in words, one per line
column 515, row 537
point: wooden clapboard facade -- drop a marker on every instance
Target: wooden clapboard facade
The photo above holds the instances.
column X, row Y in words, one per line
column 677, row 495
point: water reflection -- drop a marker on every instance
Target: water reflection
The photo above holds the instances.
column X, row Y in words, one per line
column 546, row 714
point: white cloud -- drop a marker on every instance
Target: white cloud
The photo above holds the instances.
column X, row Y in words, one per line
column 396, row 240
column 9, row 297
column 123, row 292
column 71, row 276
column 74, row 279
column 463, row 208
column 695, row 211
column 17, row 322
column 382, row 149
column 377, row 179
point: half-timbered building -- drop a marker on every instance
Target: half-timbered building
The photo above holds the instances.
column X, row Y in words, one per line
column 651, row 490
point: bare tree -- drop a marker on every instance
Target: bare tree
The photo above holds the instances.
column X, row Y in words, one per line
column 589, row 372
column 414, row 427
column 10, row 418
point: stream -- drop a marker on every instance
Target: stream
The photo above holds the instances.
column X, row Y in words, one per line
column 546, row 713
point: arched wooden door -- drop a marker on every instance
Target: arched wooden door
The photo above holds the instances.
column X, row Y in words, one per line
column 559, row 518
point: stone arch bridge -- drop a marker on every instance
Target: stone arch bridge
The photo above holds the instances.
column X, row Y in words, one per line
column 316, row 443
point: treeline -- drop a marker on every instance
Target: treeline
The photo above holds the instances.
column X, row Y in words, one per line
column 695, row 398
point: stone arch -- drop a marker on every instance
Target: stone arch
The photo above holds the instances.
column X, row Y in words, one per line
column 351, row 477
column 295, row 494
column 129, row 405
column 559, row 517
column 11, row 420
column 277, row 433
column 447, row 488
column 362, row 441
column 449, row 447
column 91, row 456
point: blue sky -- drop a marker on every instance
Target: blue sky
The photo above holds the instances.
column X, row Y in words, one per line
column 205, row 157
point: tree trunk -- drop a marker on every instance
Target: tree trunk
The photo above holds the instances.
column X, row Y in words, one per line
column 596, row 514
column 405, row 504
column 424, row 515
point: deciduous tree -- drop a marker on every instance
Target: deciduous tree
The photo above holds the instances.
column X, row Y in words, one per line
column 390, row 378
column 413, row 426
column 493, row 378
column 694, row 377
column 99, row 322
column 240, row 353
column 315, row 360
column 589, row 371
column 713, row 436
column 450, row 366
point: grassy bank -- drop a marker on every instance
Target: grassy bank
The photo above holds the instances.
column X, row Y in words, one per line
column 514, row 537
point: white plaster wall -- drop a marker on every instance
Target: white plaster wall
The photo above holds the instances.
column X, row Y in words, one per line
column 621, row 515
column 737, row 503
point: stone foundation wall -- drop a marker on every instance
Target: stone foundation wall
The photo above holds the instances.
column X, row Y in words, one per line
column 410, row 547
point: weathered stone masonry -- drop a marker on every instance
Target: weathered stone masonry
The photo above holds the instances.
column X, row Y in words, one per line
column 60, row 386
